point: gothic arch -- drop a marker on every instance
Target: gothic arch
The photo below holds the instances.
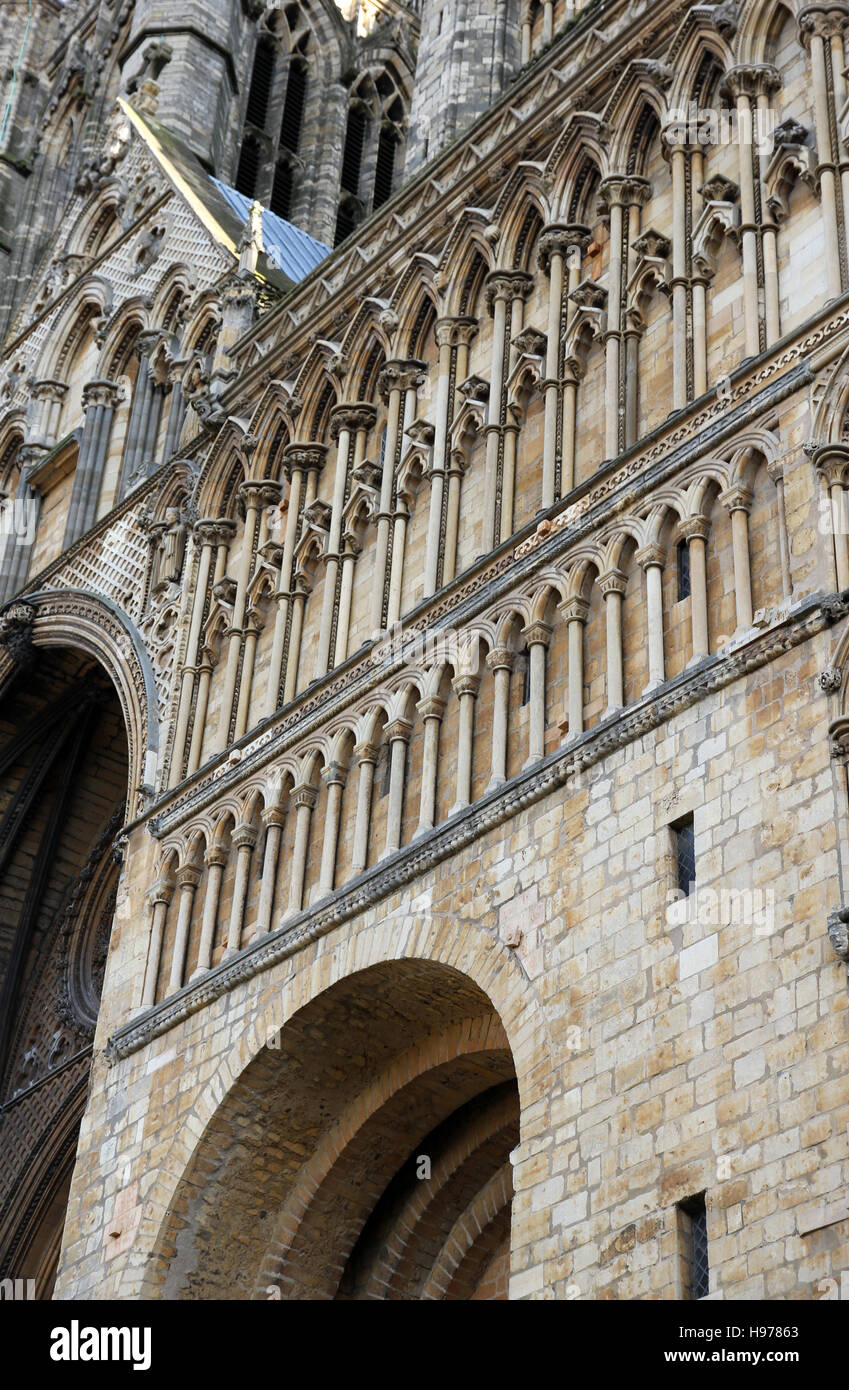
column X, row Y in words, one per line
column 90, row 623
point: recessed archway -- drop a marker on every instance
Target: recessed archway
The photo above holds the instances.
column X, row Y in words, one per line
column 363, row 1153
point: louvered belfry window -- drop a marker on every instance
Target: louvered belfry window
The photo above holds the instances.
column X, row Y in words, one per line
column 352, row 156
column 293, row 107
column 385, row 170
column 260, row 90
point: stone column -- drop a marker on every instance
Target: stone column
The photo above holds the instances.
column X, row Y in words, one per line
column 253, row 627
column 575, row 611
column 397, row 379
column 450, row 335
column 652, row 559
column 817, row 25
column 49, row 396
column 205, row 667
column 366, row 756
column 273, row 818
column 503, row 289
column 298, row 461
column 775, row 469
column 215, row 860
column 613, row 585
column 527, row 33
column 621, row 195
column 744, row 83
column 830, row 461
column 445, row 338
column 208, row 534
column 398, row 734
column 334, row 777
column 244, row 838
column 253, row 494
column 500, row 661
column 351, row 548
column 431, row 709
column 738, row 500
column 176, row 413
column 679, row 154
column 466, row 689
column 558, row 244
column 100, row 399
column 695, row 532
column 159, row 896
column 537, row 636
column 303, row 798
column 141, row 407
column 300, row 593
column 399, row 542
column 188, row 878
column 345, row 420
column 456, row 470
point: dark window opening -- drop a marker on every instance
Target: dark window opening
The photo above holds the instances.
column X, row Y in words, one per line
column 260, row 89
column 293, row 107
column 525, row 668
column 385, row 170
column 683, row 570
column 281, row 191
column 685, row 855
column 345, row 220
column 248, row 170
column 352, row 155
column 694, row 1247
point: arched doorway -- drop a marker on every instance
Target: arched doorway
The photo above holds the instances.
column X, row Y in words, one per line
column 364, row 1153
column 63, row 781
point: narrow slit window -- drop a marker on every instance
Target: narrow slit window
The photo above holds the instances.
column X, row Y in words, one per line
column 246, row 174
column 695, row 1265
column 685, row 855
column 352, row 155
column 683, row 570
column 293, row 107
column 281, row 191
column 385, row 171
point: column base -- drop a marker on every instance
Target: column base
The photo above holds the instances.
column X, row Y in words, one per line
column 198, row 975
column 494, row 783
column 421, row 831
column 459, row 806
column 532, row 761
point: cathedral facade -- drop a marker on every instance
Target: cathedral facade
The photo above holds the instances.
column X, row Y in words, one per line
column 424, row 659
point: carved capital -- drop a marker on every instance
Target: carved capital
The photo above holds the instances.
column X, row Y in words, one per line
column 613, row 581
column 103, row 393
column 822, row 21
column 622, row 190
column 259, row 492
column 649, row 555
column 452, row 332
column 558, row 239
column 399, row 729
column 831, row 460
column 501, row 659
column 575, row 609
column 213, row 530
column 830, row 680
column 466, row 685
column 304, row 795
column 303, row 458
column 507, row 285
column 537, row 634
column 188, row 877
column 695, row 528
column 16, row 632
column 358, row 415
column 750, row 80
column 401, row 374
column 366, row 753
column 162, row 891
column 432, row 707
column 334, row 775
column 738, row 498
column 215, row 857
